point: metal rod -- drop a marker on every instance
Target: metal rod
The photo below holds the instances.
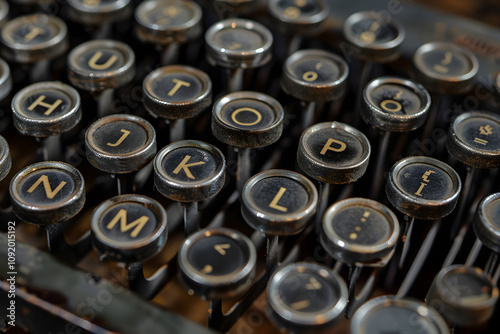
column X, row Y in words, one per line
column 235, row 82
column 366, row 69
column 378, row 177
column 70, row 253
column 417, row 264
column 354, row 272
column 147, row 288
column 177, row 130
column 244, row 167
column 406, row 240
column 338, row 266
column 365, row 292
column 457, row 243
column 492, row 261
column 324, row 193
column 474, row 252
column 190, row 217
column 431, row 118
column 169, row 54
column 51, row 148
column 272, row 255
column 215, row 315
column 462, row 201
column 104, row 101
column 294, row 42
column 40, row 71
column 308, row 114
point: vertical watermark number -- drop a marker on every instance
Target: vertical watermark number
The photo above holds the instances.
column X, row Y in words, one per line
column 11, row 272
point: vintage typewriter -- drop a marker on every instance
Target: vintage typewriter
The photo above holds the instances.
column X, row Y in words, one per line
column 249, row 166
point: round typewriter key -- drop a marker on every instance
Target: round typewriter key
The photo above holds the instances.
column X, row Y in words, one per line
column 465, row 296
column 5, row 161
column 333, row 152
column 238, row 44
column 278, row 202
column 47, row 193
column 474, row 139
column 99, row 12
column 247, row 120
column 175, row 93
column 298, row 16
column 375, row 38
column 315, row 75
column 217, row 264
column 487, row 222
column 423, row 187
column 119, row 144
column 189, row 171
column 34, row 38
column 445, row 68
column 5, row 80
column 129, row 228
column 395, row 104
column 306, row 296
column 101, row 64
column 389, row 314
column 168, row 24
column 358, row 230
column 46, row 109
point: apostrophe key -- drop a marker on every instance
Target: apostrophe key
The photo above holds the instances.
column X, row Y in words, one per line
column 392, row 104
column 130, row 229
column 5, row 161
column 175, row 93
column 97, row 16
column 373, row 39
column 120, row 145
column 305, row 297
column 278, row 203
column 421, row 188
column 34, row 40
column 298, row 18
column 361, row 233
column 332, row 153
column 390, row 314
column 314, row 76
column 168, row 25
column 247, row 120
column 215, row 265
column 188, row 172
column 238, row 44
column 99, row 67
column 48, row 194
column 46, row 110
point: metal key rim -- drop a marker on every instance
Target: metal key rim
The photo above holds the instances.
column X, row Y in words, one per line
column 486, row 233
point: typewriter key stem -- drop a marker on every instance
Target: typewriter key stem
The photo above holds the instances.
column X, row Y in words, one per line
column 308, row 114
column 70, row 253
column 496, row 276
column 51, row 148
column 149, row 287
column 272, row 255
column 354, row 272
column 235, row 79
column 215, row 315
column 244, row 167
column 169, row 54
column 294, row 42
column 324, row 193
column 417, row 264
column 474, row 252
column 104, row 101
column 406, row 240
column 457, row 243
column 471, row 173
column 379, row 169
column 492, row 262
column 40, row 71
column 190, row 217
column 366, row 70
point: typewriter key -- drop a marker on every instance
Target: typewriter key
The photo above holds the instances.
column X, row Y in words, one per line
column 129, row 228
column 390, row 314
column 120, row 144
column 5, row 80
column 99, row 14
column 168, row 24
column 374, row 38
column 465, row 296
column 46, row 110
column 332, row 153
column 246, row 120
column 217, row 264
column 306, row 296
column 278, row 203
column 358, row 230
column 445, row 68
column 99, row 66
column 314, row 76
column 189, row 171
column 175, row 93
column 487, row 223
column 5, row 161
column 34, row 39
column 237, row 44
column 392, row 104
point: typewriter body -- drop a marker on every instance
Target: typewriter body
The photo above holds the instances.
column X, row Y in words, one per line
column 68, row 281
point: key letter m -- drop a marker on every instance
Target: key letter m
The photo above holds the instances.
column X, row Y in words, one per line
column 137, row 224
